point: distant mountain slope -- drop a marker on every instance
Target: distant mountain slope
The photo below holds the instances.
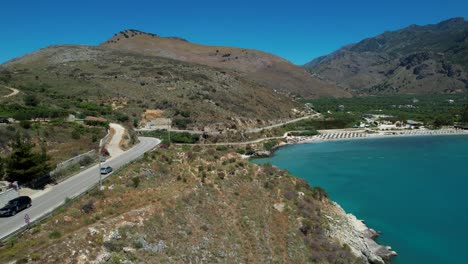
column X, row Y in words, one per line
column 416, row 59
column 67, row 76
column 266, row 69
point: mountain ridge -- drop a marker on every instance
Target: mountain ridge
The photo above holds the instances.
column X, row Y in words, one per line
column 416, row 59
column 267, row 69
column 196, row 95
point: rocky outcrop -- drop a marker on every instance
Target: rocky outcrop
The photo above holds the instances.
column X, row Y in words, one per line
column 262, row 154
column 347, row 229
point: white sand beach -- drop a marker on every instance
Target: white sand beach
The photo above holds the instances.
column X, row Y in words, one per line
column 347, row 134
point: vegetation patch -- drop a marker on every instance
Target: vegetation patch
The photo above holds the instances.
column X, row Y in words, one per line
column 437, row 109
column 172, row 137
column 189, row 202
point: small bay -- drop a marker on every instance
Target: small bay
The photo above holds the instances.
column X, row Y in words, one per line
column 412, row 189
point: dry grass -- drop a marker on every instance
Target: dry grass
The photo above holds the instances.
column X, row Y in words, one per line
column 60, row 144
column 4, row 91
column 191, row 203
column 192, row 94
column 267, row 69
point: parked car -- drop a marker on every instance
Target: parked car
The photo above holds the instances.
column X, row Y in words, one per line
column 106, row 170
column 4, row 120
column 15, row 205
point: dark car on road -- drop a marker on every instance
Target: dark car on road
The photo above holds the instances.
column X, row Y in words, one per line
column 15, row 205
column 106, row 170
column 4, row 120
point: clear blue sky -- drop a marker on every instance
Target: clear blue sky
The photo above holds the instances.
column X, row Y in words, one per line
column 296, row 30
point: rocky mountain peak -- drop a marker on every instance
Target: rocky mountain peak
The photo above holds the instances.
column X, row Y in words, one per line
column 452, row 22
column 414, row 59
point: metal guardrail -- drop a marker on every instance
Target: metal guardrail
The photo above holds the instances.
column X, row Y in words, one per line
column 65, row 202
column 46, row 215
column 72, row 161
column 104, row 140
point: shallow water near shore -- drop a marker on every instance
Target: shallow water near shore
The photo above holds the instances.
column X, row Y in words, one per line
column 412, row 189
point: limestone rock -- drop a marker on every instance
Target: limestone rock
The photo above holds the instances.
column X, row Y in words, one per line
column 354, row 233
column 262, row 154
column 93, row 231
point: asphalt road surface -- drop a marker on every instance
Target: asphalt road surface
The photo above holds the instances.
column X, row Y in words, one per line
column 53, row 198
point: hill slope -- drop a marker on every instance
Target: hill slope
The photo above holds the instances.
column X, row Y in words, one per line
column 199, row 206
column 266, row 69
column 69, row 76
column 416, row 59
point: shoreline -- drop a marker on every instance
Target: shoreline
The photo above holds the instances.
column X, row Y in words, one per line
column 346, row 227
column 362, row 135
column 292, row 140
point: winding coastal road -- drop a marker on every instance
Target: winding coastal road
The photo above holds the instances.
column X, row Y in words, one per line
column 74, row 186
column 114, row 144
column 247, row 131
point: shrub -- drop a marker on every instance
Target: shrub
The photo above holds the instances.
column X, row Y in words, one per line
column 319, row 193
column 31, row 100
column 75, row 134
column 35, row 256
column 121, row 117
column 185, row 113
column 22, row 260
column 136, row 182
column 241, row 151
column 176, row 137
column 25, row 124
column 184, row 138
column 68, row 200
column 97, row 193
column 249, row 151
column 65, row 171
column 55, row 234
column 86, row 160
column 221, row 148
column 182, row 122
column 88, row 207
column 196, row 148
column 306, row 226
column 269, row 145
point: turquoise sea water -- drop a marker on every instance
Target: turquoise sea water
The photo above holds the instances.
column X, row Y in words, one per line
column 412, row 189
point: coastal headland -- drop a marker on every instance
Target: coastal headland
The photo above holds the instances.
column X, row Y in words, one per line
column 347, row 228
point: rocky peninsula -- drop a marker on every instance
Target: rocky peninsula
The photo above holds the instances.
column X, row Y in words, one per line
column 347, row 229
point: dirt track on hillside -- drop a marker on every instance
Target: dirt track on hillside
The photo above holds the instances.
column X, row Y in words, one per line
column 13, row 92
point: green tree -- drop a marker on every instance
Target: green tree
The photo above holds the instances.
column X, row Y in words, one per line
column 5, row 76
column 121, row 117
column 24, row 165
column 443, row 121
column 31, row 100
column 464, row 116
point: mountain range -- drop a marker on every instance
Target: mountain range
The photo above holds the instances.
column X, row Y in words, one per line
column 416, row 59
column 195, row 85
column 205, row 203
column 203, row 85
